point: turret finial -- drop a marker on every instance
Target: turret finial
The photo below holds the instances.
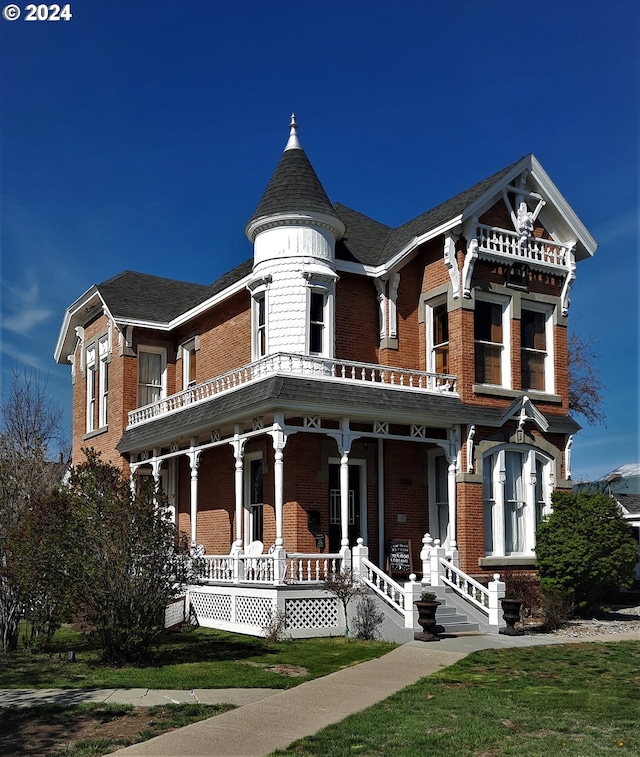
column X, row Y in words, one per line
column 294, row 142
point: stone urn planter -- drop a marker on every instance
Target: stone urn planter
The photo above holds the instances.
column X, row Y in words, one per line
column 511, row 615
column 427, row 606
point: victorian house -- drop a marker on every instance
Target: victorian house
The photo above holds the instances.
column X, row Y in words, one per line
column 349, row 388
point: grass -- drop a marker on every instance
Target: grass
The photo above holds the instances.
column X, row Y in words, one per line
column 201, row 658
column 88, row 730
column 577, row 700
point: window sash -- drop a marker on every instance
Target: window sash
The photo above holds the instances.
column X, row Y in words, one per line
column 316, row 322
column 150, row 369
column 489, row 342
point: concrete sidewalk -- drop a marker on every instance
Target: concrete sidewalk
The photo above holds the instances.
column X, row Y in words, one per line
column 271, row 719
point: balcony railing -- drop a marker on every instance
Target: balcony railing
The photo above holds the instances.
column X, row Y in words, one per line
column 298, row 365
column 501, row 243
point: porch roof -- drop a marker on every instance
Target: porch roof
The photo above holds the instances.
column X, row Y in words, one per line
column 314, row 396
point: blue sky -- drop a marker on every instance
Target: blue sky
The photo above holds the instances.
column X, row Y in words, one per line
column 141, row 135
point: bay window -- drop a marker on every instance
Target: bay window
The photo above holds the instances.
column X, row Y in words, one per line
column 516, row 494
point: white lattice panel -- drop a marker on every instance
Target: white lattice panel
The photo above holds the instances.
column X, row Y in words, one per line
column 213, row 606
column 254, row 611
column 312, row 613
column 174, row 613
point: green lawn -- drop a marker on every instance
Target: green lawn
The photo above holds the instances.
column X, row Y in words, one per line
column 577, row 700
column 201, row 658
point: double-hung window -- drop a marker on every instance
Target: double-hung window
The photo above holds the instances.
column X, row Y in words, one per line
column 317, row 322
column 103, row 354
column 189, row 362
column 516, row 493
column 152, row 363
column 91, row 375
column 439, row 498
column 536, row 348
column 491, row 336
column 437, row 318
column 255, row 496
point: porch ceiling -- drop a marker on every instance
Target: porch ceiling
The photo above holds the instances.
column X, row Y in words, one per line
column 314, row 396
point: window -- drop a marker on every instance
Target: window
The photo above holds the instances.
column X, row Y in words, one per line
column 438, row 338
column 152, row 363
column 536, row 338
column 317, row 322
column 439, row 509
column 189, row 359
column 91, row 388
column 491, row 335
column 260, row 328
column 255, row 497
column 103, row 353
column 516, row 493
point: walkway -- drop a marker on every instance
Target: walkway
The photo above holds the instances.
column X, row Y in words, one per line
column 270, row 720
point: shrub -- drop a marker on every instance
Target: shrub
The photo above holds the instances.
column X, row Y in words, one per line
column 368, row 619
column 585, row 548
column 557, row 607
column 525, row 587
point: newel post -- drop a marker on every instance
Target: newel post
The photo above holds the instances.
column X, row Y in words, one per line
column 358, row 553
column 279, row 565
column 425, row 558
column 497, row 590
column 437, row 570
column 412, row 592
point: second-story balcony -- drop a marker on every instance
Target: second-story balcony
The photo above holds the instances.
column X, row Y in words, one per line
column 503, row 244
column 298, row 365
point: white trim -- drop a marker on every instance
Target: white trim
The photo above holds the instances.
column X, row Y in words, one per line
column 505, row 359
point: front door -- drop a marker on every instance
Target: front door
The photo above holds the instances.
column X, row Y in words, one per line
column 334, row 506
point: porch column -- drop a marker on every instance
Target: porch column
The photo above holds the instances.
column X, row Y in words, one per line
column 238, row 453
column 451, row 494
column 194, row 462
column 279, row 441
column 155, row 472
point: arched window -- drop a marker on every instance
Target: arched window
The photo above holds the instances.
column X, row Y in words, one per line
column 516, row 495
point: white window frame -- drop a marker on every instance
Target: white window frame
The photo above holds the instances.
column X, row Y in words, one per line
column 257, row 296
column 430, row 308
column 549, row 360
column 434, row 502
column 505, row 356
column 326, row 290
column 495, row 476
column 185, row 353
column 250, row 507
column 91, row 366
column 104, row 356
column 162, row 351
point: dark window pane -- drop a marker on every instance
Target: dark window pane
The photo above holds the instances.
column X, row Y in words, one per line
column 315, row 337
column 317, row 307
column 532, row 326
column 488, row 364
column 440, row 325
column 488, row 322
column 532, row 370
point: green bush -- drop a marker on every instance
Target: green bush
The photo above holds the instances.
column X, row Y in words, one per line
column 585, row 548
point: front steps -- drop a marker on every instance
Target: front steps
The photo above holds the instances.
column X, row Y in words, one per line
column 452, row 617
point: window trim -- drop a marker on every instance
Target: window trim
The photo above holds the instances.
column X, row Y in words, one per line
column 153, row 349
column 495, row 474
column 249, row 506
column 327, row 323
column 505, row 355
column 258, row 296
column 431, row 346
column 91, row 365
column 549, row 361
column 191, row 345
column 104, row 358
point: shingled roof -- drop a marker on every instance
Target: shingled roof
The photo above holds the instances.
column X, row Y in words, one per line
column 294, row 186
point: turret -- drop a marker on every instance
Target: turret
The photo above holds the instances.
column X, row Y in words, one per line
column 294, row 231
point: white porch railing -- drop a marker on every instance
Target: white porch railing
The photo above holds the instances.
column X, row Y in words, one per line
column 440, row 571
column 297, row 365
column 400, row 597
column 509, row 244
column 295, row 567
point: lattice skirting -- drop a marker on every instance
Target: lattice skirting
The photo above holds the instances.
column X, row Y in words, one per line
column 174, row 613
column 211, row 606
column 312, row 613
column 254, row 611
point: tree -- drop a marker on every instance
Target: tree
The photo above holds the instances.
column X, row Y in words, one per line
column 30, row 443
column 585, row 548
column 586, row 389
column 345, row 586
column 129, row 561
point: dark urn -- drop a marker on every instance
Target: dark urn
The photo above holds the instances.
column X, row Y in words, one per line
column 427, row 607
column 511, row 615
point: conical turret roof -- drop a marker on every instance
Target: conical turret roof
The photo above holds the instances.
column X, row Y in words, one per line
column 294, row 186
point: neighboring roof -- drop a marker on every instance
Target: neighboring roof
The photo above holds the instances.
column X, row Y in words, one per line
column 293, row 188
column 630, row 502
column 282, row 392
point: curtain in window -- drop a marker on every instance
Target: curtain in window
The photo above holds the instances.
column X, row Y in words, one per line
column 150, row 372
column 514, row 504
